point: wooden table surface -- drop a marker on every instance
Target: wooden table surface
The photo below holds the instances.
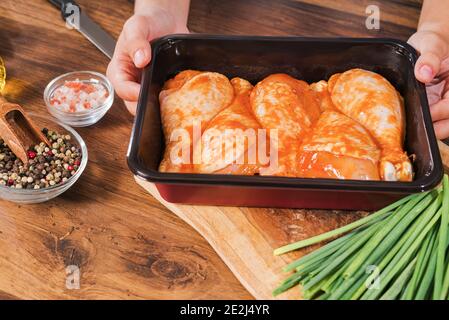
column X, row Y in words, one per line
column 126, row 244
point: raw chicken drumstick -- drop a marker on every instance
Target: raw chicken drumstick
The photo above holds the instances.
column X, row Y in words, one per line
column 192, row 97
column 229, row 142
column 289, row 106
column 371, row 100
column 339, row 148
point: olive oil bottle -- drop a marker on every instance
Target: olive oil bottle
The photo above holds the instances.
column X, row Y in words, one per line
column 2, row 75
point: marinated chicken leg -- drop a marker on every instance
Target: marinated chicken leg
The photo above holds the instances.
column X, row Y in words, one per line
column 371, row 100
column 340, row 148
column 229, row 143
column 289, row 106
column 191, row 99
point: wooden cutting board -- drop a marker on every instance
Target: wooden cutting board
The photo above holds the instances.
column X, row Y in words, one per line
column 246, row 237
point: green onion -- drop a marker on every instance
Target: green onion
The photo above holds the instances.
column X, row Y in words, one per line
column 444, row 291
column 423, row 257
column 401, row 242
column 426, row 282
column 397, row 286
column 341, row 256
column 339, row 231
column 389, row 255
column 403, row 218
column 317, row 255
column 405, row 243
column 400, row 260
column 439, row 272
column 290, row 282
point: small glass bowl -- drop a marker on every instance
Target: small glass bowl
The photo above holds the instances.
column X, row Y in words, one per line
column 27, row 196
column 86, row 117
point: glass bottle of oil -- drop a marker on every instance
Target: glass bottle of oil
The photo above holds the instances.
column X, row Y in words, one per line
column 2, row 75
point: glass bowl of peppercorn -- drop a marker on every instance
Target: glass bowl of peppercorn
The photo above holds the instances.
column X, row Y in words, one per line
column 50, row 170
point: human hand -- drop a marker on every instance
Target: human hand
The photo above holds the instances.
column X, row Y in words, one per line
column 432, row 68
column 133, row 51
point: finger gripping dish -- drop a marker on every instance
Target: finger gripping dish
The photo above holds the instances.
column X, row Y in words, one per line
column 351, row 127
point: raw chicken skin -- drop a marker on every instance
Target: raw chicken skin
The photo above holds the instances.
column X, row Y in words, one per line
column 340, row 148
column 290, row 106
column 221, row 153
column 177, row 82
column 191, row 97
column 370, row 99
column 322, row 93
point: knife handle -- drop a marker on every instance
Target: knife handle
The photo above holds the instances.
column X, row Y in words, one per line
column 62, row 5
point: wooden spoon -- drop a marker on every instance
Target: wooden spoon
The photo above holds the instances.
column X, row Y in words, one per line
column 18, row 130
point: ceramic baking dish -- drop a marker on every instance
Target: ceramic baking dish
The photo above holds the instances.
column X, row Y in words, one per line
column 310, row 59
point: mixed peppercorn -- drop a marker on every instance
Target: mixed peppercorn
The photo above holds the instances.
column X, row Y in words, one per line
column 47, row 165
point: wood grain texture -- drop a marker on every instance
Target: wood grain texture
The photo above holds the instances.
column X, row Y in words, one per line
column 246, row 237
column 127, row 244
column 304, row 17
